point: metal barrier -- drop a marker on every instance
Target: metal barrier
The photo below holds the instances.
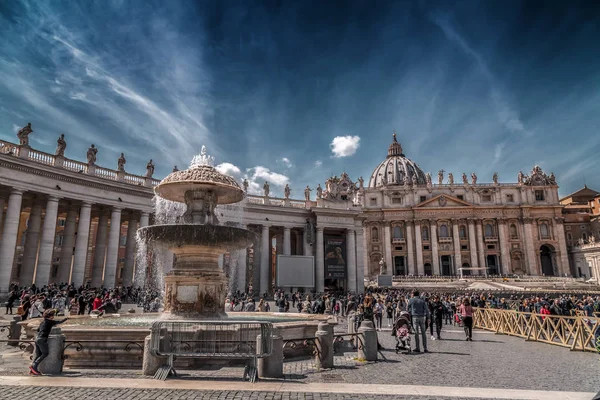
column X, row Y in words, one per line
column 211, row 339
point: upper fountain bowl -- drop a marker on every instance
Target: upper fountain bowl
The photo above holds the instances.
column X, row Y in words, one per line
column 200, row 178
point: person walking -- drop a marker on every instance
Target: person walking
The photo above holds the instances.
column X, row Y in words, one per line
column 466, row 311
column 419, row 312
column 438, row 314
column 41, row 341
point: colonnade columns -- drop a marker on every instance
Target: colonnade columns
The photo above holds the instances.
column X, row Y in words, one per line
column 265, row 253
column 32, row 239
column 66, row 251
column 456, row 240
column 409, row 248
column 473, row 243
column 320, row 263
column 308, row 249
column 112, row 254
column 434, row 248
column 351, row 258
column 144, row 219
column 130, row 250
column 419, row 248
column 361, row 260
column 387, row 247
column 529, row 250
column 287, row 241
column 9, row 238
column 100, row 249
column 480, row 244
column 562, row 244
column 2, row 203
column 299, row 244
column 81, row 244
column 242, row 266
column 42, row 275
column 504, row 247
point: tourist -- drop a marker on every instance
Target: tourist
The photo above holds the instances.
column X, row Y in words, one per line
column 389, row 313
column 97, row 303
column 438, row 314
column 378, row 312
column 419, row 312
column 545, row 310
column 466, row 312
column 12, row 297
column 58, row 303
column 41, row 341
column 25, row 307
column 37, row 307
column 261, row 305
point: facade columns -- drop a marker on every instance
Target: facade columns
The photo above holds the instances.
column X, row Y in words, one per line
column 387, row 247
column 504, row 247
column 434, row 248
column 308, row 249
column 299, row 244
column 144, row 219
column 320, row 263
column 130, row 247
column 473, row 244
column 409, row 248
column 351, row 258
column 100, row 249
column 81, row 244
column 529, row 249
column 265, row 253
column 68, row 244
column 112, row 254
column 361, row 260
column 456, row 239
column 287, row 241
column 2, row 203
column 32, row 239
column 419, row 247
column 42, row 274
column 241, row 268
column 480, row 246
column 562, row 244
column 9, row 239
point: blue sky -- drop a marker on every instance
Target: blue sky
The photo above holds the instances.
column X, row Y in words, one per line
column 295, row 91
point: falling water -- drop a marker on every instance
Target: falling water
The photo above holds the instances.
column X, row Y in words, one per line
column 168, row 212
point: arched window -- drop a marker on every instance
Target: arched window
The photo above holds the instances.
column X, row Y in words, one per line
column 513, row 232
column 444, row 231
column 462, row 232
column 544, row 232
column 425, row 233
column 489, row 230
column 398, row 234
column 374, row 233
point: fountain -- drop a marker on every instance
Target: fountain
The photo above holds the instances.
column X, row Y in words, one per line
column 196, row 287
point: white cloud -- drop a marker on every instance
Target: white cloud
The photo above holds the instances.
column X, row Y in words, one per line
column 268, row 175
column 286, row 161
column 344, row 146
column 228, row 169
column 318, row 163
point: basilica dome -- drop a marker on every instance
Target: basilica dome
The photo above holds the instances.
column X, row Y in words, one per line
column 396, row 169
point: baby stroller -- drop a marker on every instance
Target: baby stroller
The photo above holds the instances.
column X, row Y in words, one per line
column 402, row 330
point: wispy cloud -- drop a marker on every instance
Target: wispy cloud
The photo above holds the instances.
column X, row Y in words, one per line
column 344, row 146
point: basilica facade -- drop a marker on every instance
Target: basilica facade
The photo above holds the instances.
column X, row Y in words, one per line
column 69, row 220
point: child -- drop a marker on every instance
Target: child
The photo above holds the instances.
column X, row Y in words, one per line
column 41, row 342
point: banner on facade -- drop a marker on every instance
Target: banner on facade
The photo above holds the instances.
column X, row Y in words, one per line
column 335, row 258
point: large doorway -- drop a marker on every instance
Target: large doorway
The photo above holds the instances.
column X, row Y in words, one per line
column 399, row 266
column 446, row 265
column 546, row 260
column 492, row 264
column 466, row 272
column 427, row 269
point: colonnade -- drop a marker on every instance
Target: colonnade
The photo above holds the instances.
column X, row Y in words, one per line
column 39, row 246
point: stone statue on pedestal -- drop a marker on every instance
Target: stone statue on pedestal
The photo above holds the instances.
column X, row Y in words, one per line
column 361, row 183
column 307, row 193
column 465, row 179
column 440, row 177
column 495, row 178
column 61, row 145
column 473, row 178
column 266, row 189
column 91, row 154
column 149, row 169
column 450, row 178
column 175, row 169
column 521, row 177
column 287, row 191
column 319, row 191
column 245, row 185
column 382, row 267
column 23, row 135
column 428, row 179
column 121, row 163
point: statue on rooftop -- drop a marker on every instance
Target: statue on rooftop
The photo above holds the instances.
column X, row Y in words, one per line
column 307, row 193
column 428, row 179
column 287, row 191
column 267, row 189
column 473, row 178
column 495, row 178
column 245, row 185
column 91, row 154
column 149, row 169
column 361, row 183
column 23, row 135
column 61, row 145
column 465, row 179
column 175, row 169
column 319, row 191
column 121, row 163
column 440, row 177
column 521, row 178
column 450, row 178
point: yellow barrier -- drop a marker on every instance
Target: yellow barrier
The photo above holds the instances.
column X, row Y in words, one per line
column 575, row 332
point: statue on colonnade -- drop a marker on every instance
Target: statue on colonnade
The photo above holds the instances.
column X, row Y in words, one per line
column 92, row 154
column 23, row 135
column 61, row 145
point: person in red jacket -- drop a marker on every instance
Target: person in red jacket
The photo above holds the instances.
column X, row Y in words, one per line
column 97, row 303
column 545, row 310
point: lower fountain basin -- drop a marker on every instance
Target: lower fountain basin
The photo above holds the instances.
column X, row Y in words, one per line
column 215, row 236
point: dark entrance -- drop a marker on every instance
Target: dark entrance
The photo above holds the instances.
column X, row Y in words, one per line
column 466, row 271
column 446, row 265
column 427, row 268
column 492, row 264
column 399, row 267
column 546, row 260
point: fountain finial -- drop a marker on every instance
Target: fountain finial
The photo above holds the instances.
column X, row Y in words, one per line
column 202, row 159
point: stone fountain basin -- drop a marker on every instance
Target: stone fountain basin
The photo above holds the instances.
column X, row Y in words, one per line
column 216, row 236
column 125, row 329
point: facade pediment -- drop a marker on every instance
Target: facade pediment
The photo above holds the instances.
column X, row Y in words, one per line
column 444, row 200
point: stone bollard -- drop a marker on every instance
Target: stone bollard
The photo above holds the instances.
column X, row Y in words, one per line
column 53, row 363
column 324, row 341
column 367, row 341
column 151, row 363
column 271, row 366
column 15, row 331
column 351, row 320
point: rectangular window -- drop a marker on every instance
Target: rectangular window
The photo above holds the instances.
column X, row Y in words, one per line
column 373, row 201
column 398, row 248
column 491, row 247
column 460, row 197
column 510, row 198
column 486, row 198
column 539, row 195
column 464, row 247
column 123, row 241
column 422, row 199
column 425, row 247
column 396, row 200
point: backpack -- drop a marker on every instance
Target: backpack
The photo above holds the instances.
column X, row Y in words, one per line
column 20, row 310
